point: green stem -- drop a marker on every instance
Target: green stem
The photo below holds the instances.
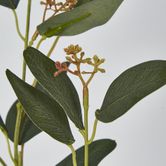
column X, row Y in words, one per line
column 91, row 77
column 24, row 70
column 40, row 42
column 86, row 108
column 21, row 154
column 2, row 162
column 9, row 149
column 8, row 144
column 16, row 134
column 94, row 131
column 73, row 155
column 27, row 23
column 53, row 46
column 17, row 25
column 20, row 111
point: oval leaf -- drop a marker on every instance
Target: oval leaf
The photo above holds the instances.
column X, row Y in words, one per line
column 98, row 150
column 130, row 87
column 45, row 112
column 60, row 87
column 27, row 131
column 71, row 23
column 12, row 4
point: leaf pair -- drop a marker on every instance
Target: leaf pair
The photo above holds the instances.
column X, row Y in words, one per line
column 48, row 111
column 47, row 114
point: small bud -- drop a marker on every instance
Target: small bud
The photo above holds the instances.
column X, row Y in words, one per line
column 102, row 61
column 58, row 65
column 56, row 73
column 87, row 60
column 73, row 49
column 82, row 55
column 101, row 70
column 69, row 59
column 61, row 67
column 64, row 66
column 96, row 59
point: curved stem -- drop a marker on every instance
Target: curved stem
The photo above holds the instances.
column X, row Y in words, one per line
column 2, row 162
column 20, row 111
column 40, row 42
column 8, row 145
column 17, row 25
column 73, row 155
column 91, row 77
column 44, row 14
column 94, row 131
column 53, row 46
column 16, row 134
column 9, row 149
column 80, row 76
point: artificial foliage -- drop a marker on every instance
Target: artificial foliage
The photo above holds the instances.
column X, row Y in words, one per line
column 51, row 102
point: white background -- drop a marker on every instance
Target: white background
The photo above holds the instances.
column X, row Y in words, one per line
column 135, row 34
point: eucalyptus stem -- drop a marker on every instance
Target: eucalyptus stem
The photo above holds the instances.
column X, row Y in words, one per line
column 17, row 25
column 94, row 131
column 40, row 42
column 21, row 154
column 53, row 46
column 16, row 134
column 20, row 111
column 86, row 108
column 73, row 155
column 8, row 145
column 20, row 162
column 27, row 24
column 2, row 162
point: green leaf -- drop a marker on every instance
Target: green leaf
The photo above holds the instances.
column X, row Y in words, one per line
column 60, row 87
column 98, row 150
column 45, row 112
column 69, row 23
column 2, row 124
column 12, row 4
column 28, row 129
column 81, row 2
column 130, row 87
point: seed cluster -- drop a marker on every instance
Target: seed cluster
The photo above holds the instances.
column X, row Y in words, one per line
column 75, row 56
